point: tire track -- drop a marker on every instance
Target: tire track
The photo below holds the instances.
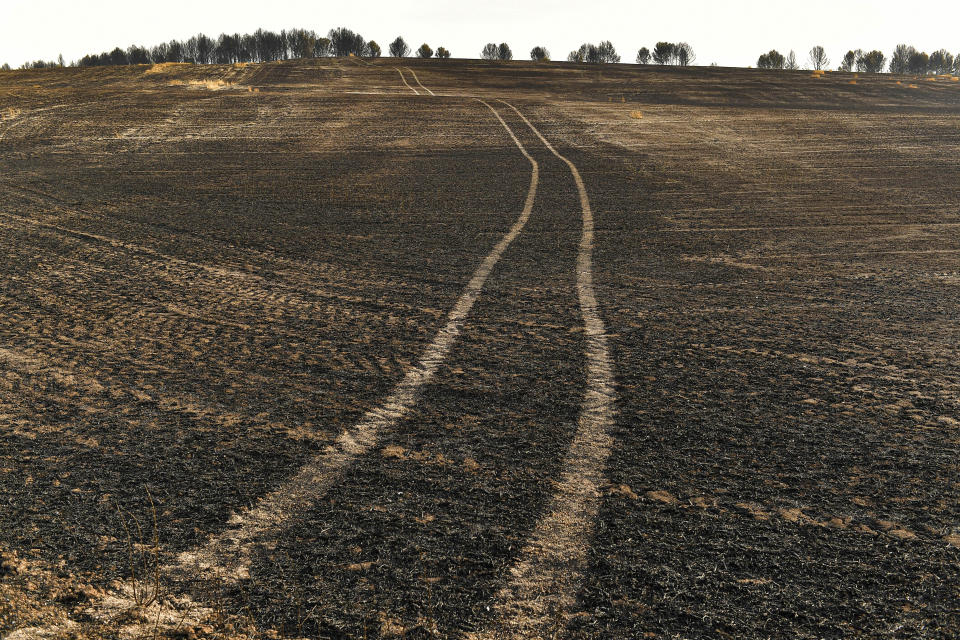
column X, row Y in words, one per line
column 421, row 84
column 405, row 81
column 543, row 583
column 226, row 556
column 316, row 477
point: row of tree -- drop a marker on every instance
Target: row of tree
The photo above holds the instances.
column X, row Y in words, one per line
column 905, row 59
column 664, row 53
column 267, row 46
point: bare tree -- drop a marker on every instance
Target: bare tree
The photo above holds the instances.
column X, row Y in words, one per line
column 540, row 54
column 685, row 55
column 664, row 53
column 872, row 62
column 791, row 62
column 504, row 52
column 442, row 53
column 399, row 48
column 818, row 58
column 425, row 51
column 643, row 56
column 490, row 52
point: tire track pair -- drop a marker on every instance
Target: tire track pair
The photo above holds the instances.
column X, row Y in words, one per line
column 316, row 477
column 226, row 556
column 543, row 584
column 417, row 80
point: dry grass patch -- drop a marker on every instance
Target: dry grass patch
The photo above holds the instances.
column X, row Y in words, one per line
column 163, row 67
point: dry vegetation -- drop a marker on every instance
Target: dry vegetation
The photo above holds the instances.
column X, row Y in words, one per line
column 203, row 288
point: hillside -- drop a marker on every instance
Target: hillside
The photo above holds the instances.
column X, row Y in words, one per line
column 397, row 349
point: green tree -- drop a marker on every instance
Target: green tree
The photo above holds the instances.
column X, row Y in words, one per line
column 941, row 61
column 850, row 59
column 872, row 62
column 900, row 60
column 374, row 49
column 425, row 51
column 539, row 54
column 919, row 63
column 490, row 52
column 664, row 53
column 643, row 56
column 399, row 48
column 772, row 60
column 504, row 52
column 442, row 53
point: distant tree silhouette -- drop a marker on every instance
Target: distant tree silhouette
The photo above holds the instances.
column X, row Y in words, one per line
column 539, row 54
column 772, row 60
column 941, row 61
column 425, row 51
column 345, row 42
column 956, row 63
column 791, row 62
column 606, row 53
column 643, row 56
column 664, row 53
column 872, row 62
column 399, row 48
column 818, row 58
column 595, row 53
column 323, row 48
column 918, row 63
column 850, row 59
column 442, row 53
column 900, row 60
column 137, row 55
column 504, row 52
column 374, row 49
column 490, row 51
column 5, row 67
column 685, row 55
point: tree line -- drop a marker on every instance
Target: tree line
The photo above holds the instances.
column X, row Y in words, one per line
column 261, row 46
column 905, row 59
column 268, row 46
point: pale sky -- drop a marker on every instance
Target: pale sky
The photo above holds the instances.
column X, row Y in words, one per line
column 728, row 33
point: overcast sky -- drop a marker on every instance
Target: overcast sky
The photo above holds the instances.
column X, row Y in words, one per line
column 728, row 33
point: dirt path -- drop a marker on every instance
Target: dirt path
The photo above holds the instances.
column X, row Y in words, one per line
column 420, row 83
column 405, row 81
column 544, row 581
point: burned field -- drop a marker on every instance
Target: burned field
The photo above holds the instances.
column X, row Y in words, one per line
column 317, row 350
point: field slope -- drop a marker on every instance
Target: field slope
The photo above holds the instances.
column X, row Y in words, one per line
column 453, row 349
